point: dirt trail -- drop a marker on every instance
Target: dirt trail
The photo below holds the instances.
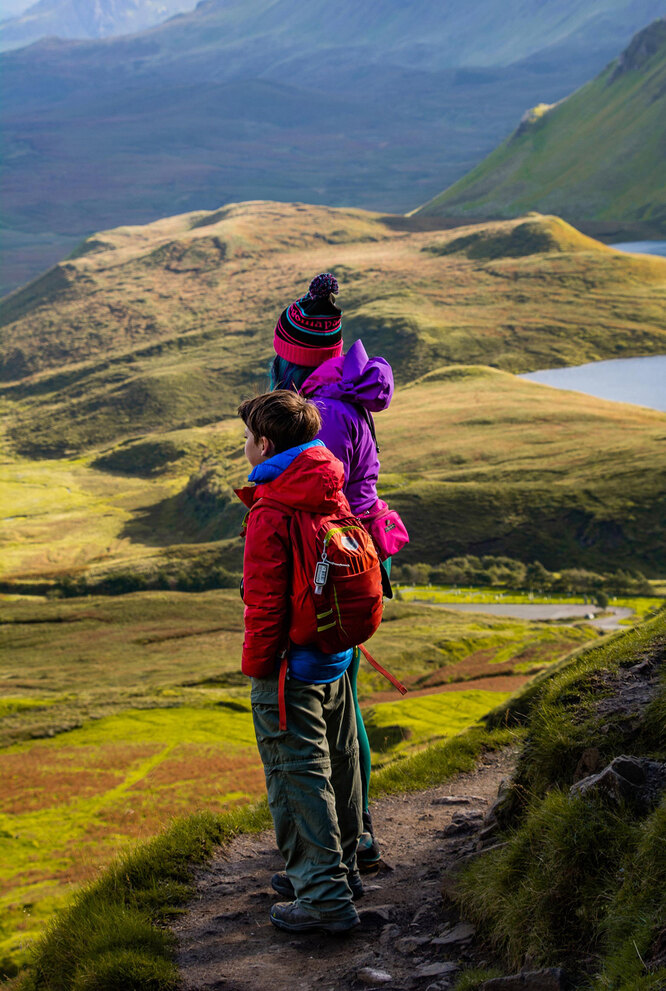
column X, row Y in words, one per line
column 226, row 942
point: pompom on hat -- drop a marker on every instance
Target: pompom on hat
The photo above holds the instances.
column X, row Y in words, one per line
column 323, row 285
column 310, row 330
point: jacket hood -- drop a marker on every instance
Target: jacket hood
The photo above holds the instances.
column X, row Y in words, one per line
column 353, row 378
column 308, row 478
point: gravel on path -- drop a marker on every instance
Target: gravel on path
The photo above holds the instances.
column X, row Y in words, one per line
column 409, row 931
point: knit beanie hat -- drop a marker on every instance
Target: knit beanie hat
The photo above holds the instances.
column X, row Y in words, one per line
column 310, row 330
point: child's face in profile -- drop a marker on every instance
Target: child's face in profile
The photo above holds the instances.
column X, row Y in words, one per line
column 256, row 452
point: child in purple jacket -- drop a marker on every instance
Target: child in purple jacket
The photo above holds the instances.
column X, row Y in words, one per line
column 348, row 389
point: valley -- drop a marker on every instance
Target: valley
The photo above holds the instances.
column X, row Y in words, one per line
column 120, row 621
column 232, row 102
column 165, row 194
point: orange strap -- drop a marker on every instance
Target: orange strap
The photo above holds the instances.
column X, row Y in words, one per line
column 282, row 703
column 387, row 674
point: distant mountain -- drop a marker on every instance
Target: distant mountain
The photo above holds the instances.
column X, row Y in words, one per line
column 86, row 19
column 12, row 8
column 597, row 157
column 376, row 105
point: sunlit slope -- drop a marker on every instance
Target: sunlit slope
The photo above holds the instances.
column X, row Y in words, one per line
column 479, row 462
column 169, row 325
column 476, row 459
column 598, row 155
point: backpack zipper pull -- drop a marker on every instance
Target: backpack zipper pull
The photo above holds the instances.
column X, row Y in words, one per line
column 321, row 574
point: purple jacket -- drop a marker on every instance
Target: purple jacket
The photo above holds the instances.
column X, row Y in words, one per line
column 340, row 386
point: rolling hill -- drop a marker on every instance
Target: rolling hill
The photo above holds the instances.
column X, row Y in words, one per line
column 170, row 325
column 508, row 467
column 122, row 368
column 255, row 101
column 597, row 156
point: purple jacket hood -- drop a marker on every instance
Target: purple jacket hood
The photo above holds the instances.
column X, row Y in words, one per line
column 353, row 378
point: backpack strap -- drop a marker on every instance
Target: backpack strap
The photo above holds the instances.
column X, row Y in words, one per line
column 367, row 416
column 282, row 702
column 387, row 674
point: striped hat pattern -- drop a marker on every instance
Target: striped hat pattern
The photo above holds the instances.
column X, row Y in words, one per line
column 310, row 330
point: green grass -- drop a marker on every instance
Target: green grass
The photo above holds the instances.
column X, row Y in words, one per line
column 111, row 935
column 120, row 510
column 554, row 861
column 526, row 470
column 578, row 882
column 593, row 156
column 411, row 723
column 71, row 802
column 446, row 594
column 121, row 712
column 162, row 353
column 552, row 476
column 92, row 657
column 472, row 978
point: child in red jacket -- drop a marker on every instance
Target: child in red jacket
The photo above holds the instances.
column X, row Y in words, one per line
column 312, row 772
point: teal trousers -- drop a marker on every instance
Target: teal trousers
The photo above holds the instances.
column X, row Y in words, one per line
column 314, row 787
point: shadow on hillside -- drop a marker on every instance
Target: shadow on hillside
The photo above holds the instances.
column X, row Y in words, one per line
column 179, row 520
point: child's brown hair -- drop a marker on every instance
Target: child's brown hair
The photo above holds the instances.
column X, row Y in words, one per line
column 285, row 417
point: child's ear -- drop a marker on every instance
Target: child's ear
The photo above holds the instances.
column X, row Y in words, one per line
column 267, row 447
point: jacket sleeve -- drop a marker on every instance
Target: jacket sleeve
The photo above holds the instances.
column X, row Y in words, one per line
column 266, row 587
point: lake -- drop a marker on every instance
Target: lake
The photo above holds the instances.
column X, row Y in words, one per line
column 555, row 612
column 641, row 381
column 641, row 247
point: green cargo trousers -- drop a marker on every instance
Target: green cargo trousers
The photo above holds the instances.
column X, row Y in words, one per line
column 314, row 787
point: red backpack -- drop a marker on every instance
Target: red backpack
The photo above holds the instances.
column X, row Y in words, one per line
column 336, row 595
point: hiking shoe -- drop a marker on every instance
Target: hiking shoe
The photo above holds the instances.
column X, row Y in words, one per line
column 368, row 854
column 291, row 917
column 280, row 882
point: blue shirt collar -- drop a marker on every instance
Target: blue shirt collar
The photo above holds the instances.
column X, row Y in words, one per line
column 272, row 468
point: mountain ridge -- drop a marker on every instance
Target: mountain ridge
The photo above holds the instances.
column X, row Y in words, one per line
column 596, row 156
column 379, row 111
column 75, row 19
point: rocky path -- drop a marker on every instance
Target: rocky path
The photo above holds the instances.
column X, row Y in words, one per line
column 411, row 937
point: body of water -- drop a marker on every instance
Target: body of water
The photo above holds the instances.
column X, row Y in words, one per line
column 641, row 247
column 641, row 381
column 540, row 611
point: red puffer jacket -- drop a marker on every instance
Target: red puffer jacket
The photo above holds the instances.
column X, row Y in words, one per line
column 311, row 480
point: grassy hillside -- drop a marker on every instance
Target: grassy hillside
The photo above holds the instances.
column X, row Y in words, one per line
column 169, row 325
column 596, row 156
column 548, row 475
column 118, row 713
column 579, row 880
column 477, row 461
column 576, row 883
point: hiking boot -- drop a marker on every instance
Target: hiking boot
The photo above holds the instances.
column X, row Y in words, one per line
column 291, row 917
column 280, row 882
column 368, row 854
